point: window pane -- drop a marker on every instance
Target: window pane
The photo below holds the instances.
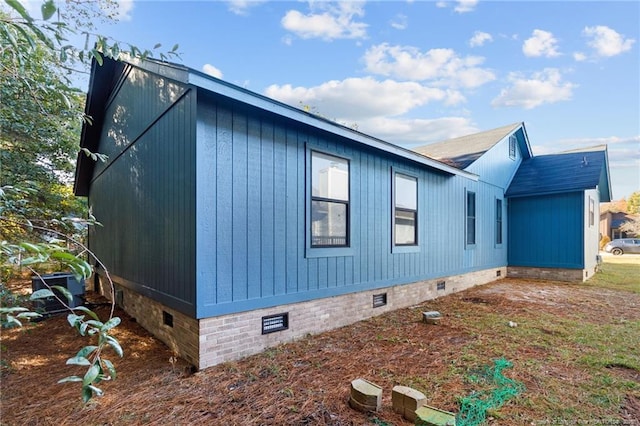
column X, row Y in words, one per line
column 405, row 231
column 471, row 230
column 330, row 176
column 512, row 146
column 406, row 192
column 471, row 218
column 471, row 204
column 498, row 221
column 328, row 224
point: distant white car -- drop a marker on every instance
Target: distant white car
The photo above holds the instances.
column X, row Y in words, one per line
column 624, row 245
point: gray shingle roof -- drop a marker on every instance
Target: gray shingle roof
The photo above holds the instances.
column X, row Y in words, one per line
column 463, row 151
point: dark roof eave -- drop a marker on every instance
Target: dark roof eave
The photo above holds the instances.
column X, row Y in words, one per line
column 186, row 75
column 205, row 81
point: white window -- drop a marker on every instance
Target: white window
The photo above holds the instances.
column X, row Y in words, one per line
column 329, row 200
column 405, row 217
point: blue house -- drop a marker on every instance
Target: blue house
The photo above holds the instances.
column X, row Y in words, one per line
column 233, row 222
column 553, row 200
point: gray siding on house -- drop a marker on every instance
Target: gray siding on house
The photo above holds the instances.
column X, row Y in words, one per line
column 252, row 238
column 144, row 195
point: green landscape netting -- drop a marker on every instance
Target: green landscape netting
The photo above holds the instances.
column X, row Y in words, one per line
column 473, row 408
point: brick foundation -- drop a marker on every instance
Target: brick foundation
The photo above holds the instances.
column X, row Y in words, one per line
column 181, row 338
column 554, row 274
column 215, row 340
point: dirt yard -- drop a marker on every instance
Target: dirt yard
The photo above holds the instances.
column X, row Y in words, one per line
column 552, row 342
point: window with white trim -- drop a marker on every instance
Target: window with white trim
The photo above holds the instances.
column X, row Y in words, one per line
column 329, row 200
column 405, row 210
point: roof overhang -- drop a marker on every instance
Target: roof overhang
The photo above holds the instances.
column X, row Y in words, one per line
column 103, row 78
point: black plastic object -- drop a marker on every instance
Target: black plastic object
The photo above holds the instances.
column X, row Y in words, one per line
column 62, row 279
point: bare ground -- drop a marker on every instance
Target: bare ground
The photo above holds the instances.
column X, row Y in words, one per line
column 306, row 382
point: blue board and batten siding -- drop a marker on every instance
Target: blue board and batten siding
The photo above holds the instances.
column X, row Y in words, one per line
column 204, row 205
column 252, row 245
column 144, row 195
column 547, row 231
column 496, row 167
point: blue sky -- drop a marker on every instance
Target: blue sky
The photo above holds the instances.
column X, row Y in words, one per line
column 415, row 72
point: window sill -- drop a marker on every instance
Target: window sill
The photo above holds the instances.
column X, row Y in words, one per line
column 405, row 249
column 328, row 252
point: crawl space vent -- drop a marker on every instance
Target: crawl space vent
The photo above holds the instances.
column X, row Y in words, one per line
column 273, row 323
column 440, row 285
column 498, row 273
column 379, row 300
column 167, row 319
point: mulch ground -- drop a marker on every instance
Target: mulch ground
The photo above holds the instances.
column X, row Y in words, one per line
column 305, row 382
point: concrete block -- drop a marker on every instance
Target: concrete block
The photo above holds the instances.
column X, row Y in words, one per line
column 365, row 396
column 431, row 317
column 429, row 416
column 406, row 401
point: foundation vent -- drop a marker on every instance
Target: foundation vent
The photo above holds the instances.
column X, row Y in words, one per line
column 167, row 319
column 273, row 323
column 379, row 300
column 441, row 285
column 498, row 273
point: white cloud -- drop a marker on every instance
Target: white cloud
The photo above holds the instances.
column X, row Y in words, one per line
column 465, row 6
column 624, row 152
column 462, row 6
column 542, row 87
column 480, row 38
column 413, row 132
column 607, row 42
column 241, row 7
column 327, row 21
column 211, row 70
column 579, row 56
column 355, row 99
column 124, row 9
column 400, row 22
column 442, row 66
column 541, row 43
column 374, row 107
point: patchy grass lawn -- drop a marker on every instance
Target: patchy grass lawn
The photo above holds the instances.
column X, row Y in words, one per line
column 574, row 348
column 619, row 273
